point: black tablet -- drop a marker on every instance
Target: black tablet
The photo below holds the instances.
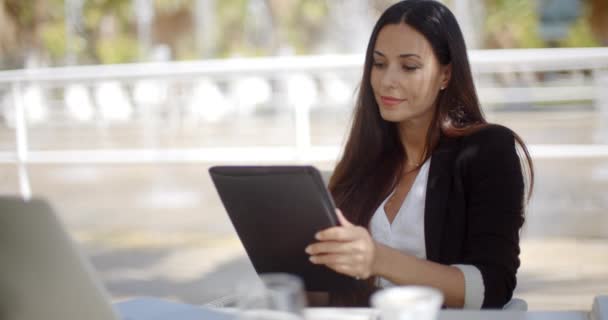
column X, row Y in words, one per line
column 276, row 211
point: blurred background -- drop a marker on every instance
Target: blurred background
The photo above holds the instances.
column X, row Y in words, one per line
column 115, row 109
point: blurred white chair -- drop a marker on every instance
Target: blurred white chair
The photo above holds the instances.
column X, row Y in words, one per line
column 113, row 102
column 79, row 103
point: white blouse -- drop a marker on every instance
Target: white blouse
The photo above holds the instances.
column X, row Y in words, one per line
column 406, row 234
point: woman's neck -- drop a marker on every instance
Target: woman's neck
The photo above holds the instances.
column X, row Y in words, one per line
column 414, row 140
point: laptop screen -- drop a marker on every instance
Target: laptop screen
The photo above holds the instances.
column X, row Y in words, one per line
column 42, row 273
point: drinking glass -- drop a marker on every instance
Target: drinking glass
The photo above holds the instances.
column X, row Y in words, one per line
column 278, row 296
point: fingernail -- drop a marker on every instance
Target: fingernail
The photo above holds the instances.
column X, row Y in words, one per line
column 318, row 236
column 312, row 259
column 307, row 250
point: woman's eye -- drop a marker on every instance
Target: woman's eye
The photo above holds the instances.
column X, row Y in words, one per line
column 378, row 64
column 409, row 68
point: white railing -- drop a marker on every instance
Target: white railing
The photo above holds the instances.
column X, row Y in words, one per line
column 503, row 76
column 482, row 61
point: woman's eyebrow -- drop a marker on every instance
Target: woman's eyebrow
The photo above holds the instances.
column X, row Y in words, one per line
column 403, row 55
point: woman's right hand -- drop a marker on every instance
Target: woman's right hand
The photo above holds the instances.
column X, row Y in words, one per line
column 348, row 249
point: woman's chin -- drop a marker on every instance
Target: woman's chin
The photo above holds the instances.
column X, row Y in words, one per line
column 392, row 117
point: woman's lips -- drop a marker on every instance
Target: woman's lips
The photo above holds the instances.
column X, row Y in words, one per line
column 391, row 101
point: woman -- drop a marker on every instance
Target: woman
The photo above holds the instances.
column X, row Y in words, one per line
column 431, row 194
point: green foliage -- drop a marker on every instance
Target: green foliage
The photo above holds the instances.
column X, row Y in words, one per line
column 95, row 10
column 109, row 30
column 24, row 12
column 172, row 6
column 305, row 24
column 515, row 24
column 313, row 11
column 297, row 23
column 512, row 24
column 53, row 39
column 231, row 26
column 580, row 34
column 117, row 50
column 92, row 16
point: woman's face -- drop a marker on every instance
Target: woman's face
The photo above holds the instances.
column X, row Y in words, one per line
column 406, row 76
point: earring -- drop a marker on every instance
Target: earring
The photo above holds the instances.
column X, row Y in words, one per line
column 442, row 88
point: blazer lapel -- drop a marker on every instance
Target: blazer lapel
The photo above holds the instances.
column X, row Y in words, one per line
column 437, row 195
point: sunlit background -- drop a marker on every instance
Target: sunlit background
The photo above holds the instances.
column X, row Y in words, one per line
column 115, row 109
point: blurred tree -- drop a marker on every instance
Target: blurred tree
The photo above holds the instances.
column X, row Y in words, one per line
column 511, row 24
column 599, row 20
column 580, row 33
column 303, row 25
column 8, row 35
column 18, row 36
column 52, row 34
column 515, row 24
column 173, row 26
column 231, row 27
column 35, row 30
column 110, row 31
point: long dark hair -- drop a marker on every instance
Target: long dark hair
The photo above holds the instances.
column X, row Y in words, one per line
column 374, row 155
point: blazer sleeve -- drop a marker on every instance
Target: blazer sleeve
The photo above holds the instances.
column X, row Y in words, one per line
column 494, row 193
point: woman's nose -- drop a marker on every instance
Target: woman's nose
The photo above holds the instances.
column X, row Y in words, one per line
column 389, row 79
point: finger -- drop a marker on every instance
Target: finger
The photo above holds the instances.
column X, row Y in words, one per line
column 331, row 259
column 327, row 247
column 342, row 219
column 337, row 234
column 337, row 258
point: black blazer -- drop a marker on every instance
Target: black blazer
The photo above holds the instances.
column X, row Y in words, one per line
column 475, row 207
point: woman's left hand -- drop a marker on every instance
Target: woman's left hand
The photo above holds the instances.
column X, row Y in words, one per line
column 347, row 249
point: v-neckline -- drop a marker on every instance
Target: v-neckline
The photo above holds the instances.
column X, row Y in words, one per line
column 403, row 203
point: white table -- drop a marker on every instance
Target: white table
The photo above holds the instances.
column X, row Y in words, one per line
column 513, row 315
column 158, row 309
column 368, row 314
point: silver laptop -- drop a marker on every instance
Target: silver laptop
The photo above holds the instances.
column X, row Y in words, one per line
column 42, row 273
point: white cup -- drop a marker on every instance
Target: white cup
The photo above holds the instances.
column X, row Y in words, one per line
column 407, row 303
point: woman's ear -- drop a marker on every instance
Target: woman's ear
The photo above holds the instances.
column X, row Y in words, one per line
column 446, row 75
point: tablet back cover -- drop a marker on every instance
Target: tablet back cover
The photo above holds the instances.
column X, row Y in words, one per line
column 276, row 212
